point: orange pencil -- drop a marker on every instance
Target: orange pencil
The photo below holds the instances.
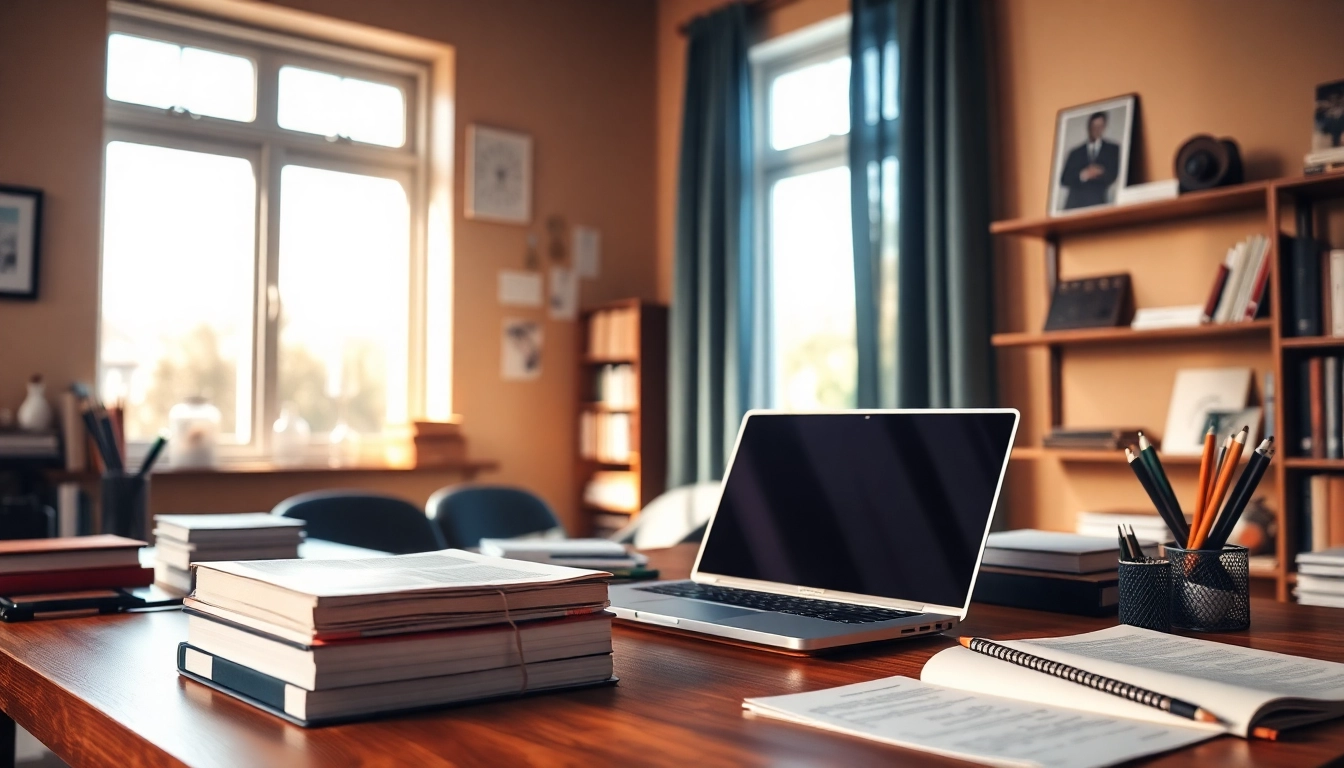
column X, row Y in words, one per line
column 1206, row 470
column 1219, row 491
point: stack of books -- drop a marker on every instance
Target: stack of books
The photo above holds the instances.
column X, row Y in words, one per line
column 439, row 443
column 1052, row 571
column 1147, row 526
column 29, row 446
column 181, row 540
column 72, row 564
column 319, row 641
column 1320, row 578
column 1092, row 438
column 1323, row 160
column 1236, row 296
column 600, row 554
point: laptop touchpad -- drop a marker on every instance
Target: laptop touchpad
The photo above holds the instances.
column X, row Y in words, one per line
column 692, row 609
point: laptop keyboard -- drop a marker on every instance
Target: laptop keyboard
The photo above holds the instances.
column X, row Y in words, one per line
column 764, row 601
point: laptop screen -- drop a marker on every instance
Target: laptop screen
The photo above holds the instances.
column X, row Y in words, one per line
column 893, row 504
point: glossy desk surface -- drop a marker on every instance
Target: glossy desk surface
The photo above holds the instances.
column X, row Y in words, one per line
column 104, row 691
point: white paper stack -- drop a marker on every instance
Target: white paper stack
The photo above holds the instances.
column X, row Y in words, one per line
column 181, row 540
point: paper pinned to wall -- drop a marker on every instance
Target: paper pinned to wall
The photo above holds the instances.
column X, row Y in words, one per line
column 519, row 289
column 587, row 251
column 564, row 298
column 520, row 351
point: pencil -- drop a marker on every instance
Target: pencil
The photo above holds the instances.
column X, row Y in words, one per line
column 1175, row 523
column 152, row 456
column 1205, row 474
column 1241, row 494
column 1200, row 535
column 1217, row 468
column 1090, row 679
column 1149, row 454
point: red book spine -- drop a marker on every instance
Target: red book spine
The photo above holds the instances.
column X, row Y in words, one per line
column 73, row 581
column 1316, row 391
column 1220, row 280
column 1258, row 288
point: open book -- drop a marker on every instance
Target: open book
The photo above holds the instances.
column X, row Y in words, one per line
column 974, row 706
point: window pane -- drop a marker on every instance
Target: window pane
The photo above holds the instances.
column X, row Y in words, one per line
column 344, row 287
column 159, row 74
column 178, row 284
column 330, row 105
column 812, row 278
column 809, row 104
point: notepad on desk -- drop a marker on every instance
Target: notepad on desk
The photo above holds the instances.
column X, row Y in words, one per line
column 1075, row 726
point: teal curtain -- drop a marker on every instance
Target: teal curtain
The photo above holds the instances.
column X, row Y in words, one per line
column 716, row 304
column 920, row 176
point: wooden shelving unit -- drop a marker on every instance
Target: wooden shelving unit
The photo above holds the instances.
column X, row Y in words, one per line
column 645, row 343
column 1270, row 197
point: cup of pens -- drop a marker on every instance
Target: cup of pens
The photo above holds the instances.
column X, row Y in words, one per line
column 1209, row 578
column 124, row 495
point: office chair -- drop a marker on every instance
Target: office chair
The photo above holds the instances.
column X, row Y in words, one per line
column 468, row 513
column 364, row 519
column 678, row 516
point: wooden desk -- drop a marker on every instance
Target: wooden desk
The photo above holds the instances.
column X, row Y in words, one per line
column 104, row 691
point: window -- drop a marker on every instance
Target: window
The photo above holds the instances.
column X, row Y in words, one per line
column 803, row 218
column 264, row 231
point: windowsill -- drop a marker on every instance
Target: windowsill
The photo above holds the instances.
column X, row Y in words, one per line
column 470, row 467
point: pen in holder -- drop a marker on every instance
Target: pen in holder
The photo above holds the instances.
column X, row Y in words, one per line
column 1210, row 589
column 1145, row 594
column 125, row 504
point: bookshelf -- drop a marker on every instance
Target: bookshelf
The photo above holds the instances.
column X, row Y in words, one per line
column 1274, row 199
column 621, row 460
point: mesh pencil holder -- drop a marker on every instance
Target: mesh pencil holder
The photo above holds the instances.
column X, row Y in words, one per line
column 1210, row 589
column 1145, row 594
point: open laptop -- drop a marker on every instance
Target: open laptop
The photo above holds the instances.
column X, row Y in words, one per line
column 840, row 528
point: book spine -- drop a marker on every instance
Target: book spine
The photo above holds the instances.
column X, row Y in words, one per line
column 1056, row 595
column 1257, row 294
column 1305, row 534
column 247, row 682
column 1331, row 397
column 1306, row 273
column 1271, row 404
column 1302, row 408
column 74, row 581
column 1236, row 263
column 1335, row 506
column 1211, row 303
column 1337, row 292
column 1316, row 394
column 1320, row 513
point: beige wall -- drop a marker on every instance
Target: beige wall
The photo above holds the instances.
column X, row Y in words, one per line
column 1239, row 68
column 577, row 75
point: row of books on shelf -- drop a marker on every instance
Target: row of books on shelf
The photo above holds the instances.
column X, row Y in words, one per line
column 1236, row 296
column 605, row 437
column 615, row 490
column 1311, row 272
column 616, row 386
column 614, row 333
column 1320, row 578
column 1318, row 413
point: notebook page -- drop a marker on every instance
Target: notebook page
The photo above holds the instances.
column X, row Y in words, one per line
column 985, row 729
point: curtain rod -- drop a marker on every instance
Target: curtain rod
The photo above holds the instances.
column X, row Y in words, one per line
column 754, row 6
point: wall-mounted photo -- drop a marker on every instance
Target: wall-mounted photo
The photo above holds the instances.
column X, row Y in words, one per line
column 1328, row 118
column 1091, row 158
column 20, row 226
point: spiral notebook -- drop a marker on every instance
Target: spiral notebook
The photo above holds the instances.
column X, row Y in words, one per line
column 972, row 706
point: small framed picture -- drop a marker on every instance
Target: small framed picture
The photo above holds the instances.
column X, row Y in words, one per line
column 499, row 175
column 1328, row 122
column 20, row 231
column 1091, row 158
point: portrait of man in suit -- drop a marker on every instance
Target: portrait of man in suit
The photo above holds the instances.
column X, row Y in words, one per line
column 1092, row 167
column 1091, row 153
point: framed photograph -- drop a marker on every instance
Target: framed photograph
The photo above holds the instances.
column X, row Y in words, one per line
column 20, row 231
column 499, row 175
column 1328, row 119
column 1091, row 157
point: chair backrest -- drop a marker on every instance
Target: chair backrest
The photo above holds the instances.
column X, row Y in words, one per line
column 364, row 519
column 674, row 517
column 468, row 513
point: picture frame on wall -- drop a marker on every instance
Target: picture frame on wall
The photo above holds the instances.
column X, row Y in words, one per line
column 1091, row 155
column 499, row 175
column 20, row 246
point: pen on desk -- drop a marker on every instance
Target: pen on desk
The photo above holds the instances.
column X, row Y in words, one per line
column 1135, row 546
column 1148, row 454
column 1201, row 534
column 152, row 456
column 1175, row 523
column 1090, row 679
column 1241, row 494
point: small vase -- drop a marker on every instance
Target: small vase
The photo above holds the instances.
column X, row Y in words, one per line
column 35, row 413
column 291, row 435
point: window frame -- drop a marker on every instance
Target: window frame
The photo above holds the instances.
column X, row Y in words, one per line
column 269, row 148
column 770, row 59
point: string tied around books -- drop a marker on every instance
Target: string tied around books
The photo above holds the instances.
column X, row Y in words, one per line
column 517, row 640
